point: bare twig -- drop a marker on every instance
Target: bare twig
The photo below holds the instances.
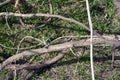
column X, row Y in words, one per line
column 19, row 11
column 44, row 15
column 110, row 37
column 29, row 37
column 52, row 48
column 37, row 65
column 15, row 74
column 91, row 40
column 51, row 12
column 5, row 2
column 6, row 18
column 116, row 43
column 23, row 48
column 16, row 3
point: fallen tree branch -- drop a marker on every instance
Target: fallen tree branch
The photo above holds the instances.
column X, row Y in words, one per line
column 53, row 48
column 44, row 15
column 5, row 2
column 60, row 17
column 37, row 65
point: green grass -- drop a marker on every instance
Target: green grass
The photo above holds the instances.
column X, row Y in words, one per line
column 70, row 67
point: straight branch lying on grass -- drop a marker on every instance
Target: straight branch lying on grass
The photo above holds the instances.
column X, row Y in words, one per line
column 53, row 48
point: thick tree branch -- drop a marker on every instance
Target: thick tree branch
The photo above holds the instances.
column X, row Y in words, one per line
column 53, row 48
column 37, row 65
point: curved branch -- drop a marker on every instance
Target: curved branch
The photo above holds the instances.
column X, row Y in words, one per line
column 44, row 15
column 51, row 12
column 58, row 47
column 37, row 65
column 51, row 48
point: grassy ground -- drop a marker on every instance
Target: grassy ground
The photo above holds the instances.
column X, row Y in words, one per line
column 71, row 67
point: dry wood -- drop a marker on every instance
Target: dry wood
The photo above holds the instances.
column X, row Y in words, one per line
column 115, row 42
column 17, row 6
column 44, row 15
column 5, row 2
column 53, row 48
column 58, row 47
column 37, row 65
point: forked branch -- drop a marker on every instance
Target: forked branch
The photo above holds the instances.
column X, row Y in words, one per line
column 52, row 48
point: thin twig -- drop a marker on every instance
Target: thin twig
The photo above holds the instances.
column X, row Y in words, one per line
column 29, row 37
column 6, row 19
column 16, row 3
column 15, row 74
column 91, row 40
column 45, row 15
column 110, row 37
column 49, row 19
column 4, row 3
column 19, row 11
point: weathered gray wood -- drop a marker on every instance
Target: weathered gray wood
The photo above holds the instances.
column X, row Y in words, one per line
column 5, row 2
column 117, row 4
